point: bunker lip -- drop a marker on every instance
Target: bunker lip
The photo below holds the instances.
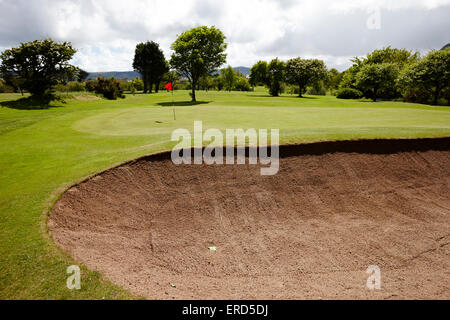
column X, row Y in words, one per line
column 309, row 232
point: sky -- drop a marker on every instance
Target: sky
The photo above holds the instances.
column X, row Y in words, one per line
column 105, row 32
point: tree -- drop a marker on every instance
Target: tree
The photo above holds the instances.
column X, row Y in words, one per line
column 5, row 88
column 275, row 76
column 317, row 89
column 206, row 82
column 109, row 88
column 431, row 74
column 372, row 78
column 229, row 77
column 132, row 89
column 197, row 52
column 138, row 84
column 259, row 74
column 82, row 75
column 349, row 76
column 305, row 72
column 172, row 77
column 219, row 82
column 399, row 57
column 149, row 61
column 91, row 85
column 160, row 75
column 349, row 93
column 38, row 66
column 333, row 80
column 14, row 81
column 242, row 84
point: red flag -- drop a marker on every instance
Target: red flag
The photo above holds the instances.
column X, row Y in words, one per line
column 169, row 86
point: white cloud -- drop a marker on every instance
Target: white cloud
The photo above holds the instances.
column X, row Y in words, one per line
column 106, row 31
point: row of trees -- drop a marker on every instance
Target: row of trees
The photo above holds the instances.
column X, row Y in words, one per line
column 40, row 65
column 398, row 73
column 198, row 53
column 298, row 72
column 388, row 73
column 229, row 79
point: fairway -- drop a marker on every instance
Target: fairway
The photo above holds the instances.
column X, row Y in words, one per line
column 45, row 151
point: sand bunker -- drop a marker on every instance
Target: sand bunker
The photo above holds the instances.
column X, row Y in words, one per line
column 309, row 232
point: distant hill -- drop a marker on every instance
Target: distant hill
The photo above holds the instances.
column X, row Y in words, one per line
column 119, row 75
column 244, row 70
column 446, row 46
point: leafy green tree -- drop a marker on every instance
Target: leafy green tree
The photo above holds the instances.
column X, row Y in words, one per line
column 349, row 93
column 138, row 84
column 5, row 88
column 305, row 72
column 219, row 82
column 242, row 84
column 38, row 66
column 14, row 81
column 399, row 57
column 91, row 85
column 229, row 77
column 160, row 76
column 197, row 52
column 276, row 70
column 173, row 77
column 259, row 74
column 109, row 88
column 349, row 76
column 206, row 82
column 132, row 89
column 317, row 89
column 149, row 61
column 431, row 74
column 333, row 80
column 373, row 78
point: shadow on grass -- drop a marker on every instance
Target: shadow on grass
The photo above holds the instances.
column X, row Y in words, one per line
column 28, row 103
column 285, row 96
column 304, row 97
column 182, row 103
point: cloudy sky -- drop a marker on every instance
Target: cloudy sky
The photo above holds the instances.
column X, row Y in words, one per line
column 105, row 32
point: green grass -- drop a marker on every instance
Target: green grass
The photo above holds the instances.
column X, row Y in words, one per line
column 44, row 151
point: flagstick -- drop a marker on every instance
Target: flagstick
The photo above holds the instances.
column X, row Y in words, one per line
column 173, row 106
